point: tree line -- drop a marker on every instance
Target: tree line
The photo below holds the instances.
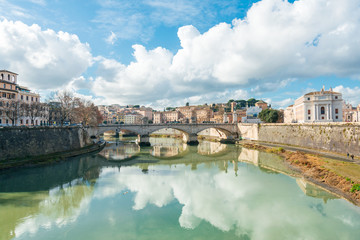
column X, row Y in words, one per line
column 62, row 108
column 65, row 108
column 15, row 109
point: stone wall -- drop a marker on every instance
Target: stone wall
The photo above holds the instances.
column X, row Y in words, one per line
column 22, row 142
column 335, row 137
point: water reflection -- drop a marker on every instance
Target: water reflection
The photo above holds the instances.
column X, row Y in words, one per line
column 167, row 147
column 47, row 196
column 117, row 151
column 220, row 196
column 210, row 148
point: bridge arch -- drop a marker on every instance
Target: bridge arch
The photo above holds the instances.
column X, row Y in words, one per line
column 190, row 130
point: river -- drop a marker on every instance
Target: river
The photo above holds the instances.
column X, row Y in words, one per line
column 170, row 191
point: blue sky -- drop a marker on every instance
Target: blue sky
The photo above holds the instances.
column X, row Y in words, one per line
column 166, row 53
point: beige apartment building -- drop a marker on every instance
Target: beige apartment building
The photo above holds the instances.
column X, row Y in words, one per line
column 10, row 90
column 321, row 106
column 203, row 115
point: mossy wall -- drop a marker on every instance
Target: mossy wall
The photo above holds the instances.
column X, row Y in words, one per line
column 19, row 142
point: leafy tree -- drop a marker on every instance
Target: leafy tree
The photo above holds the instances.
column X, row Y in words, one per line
column 269, row 115
column 136, row 106
column 187, row 104
column 251, row 102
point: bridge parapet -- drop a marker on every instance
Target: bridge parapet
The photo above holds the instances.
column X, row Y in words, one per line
column 191, row 130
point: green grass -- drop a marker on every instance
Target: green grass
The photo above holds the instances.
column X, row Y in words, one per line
column 355, row 187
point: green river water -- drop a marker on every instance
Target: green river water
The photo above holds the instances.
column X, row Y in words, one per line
column 170, row 191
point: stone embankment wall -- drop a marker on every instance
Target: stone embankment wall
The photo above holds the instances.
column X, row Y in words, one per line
column 335, row 137
column 19, row 142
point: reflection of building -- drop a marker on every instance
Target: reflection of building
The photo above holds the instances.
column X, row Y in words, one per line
column 249, row 155
column 120, row 152
column 322, row 106
column 314, row 191
column 208, row 148
column 165, row 151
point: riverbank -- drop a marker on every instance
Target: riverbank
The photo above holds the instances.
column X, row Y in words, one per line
column 339, row 177
column 49, row 158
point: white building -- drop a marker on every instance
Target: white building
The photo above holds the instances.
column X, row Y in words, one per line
column 322, row 106
column 252, row 115
column 133, row 119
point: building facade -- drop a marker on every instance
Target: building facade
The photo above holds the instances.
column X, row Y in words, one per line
column 27, row 109
column 321, row 106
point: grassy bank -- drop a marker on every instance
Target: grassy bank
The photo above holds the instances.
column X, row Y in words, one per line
column 340, row 177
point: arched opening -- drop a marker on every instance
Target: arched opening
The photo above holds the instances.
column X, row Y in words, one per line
column 213, row 134
column 322, row 110
column 169, row 133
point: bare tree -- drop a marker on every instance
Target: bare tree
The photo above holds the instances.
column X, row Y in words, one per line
column 61, row 106
column 35, row 111
column 11, row 108
column 86, row 112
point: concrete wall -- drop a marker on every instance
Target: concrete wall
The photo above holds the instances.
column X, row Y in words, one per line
column 27, row 142
column 335, row 137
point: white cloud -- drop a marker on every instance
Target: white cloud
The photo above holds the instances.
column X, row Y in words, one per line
column 44, row 59
column 111, row 39
column 276, row 43
column 283, row 103
column 351, row 95
column 39, row 2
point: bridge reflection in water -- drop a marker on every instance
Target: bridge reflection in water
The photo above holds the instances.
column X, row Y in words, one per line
column 57, row 195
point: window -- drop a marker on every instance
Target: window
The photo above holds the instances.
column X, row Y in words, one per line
column 4, row 85
column 309, row 118
column 10, row 86
column 336, row 97
column 4, row 95
column 21, row 121
column 9, row 77
column 22, row 97
column 32, row 99
column 7, row 121
column 309, row 111
column 27, row 98
column 2, row 76
column 0, row 119
column 322, row 118
column 337, row 117
column 336, row 110
column 322, row 110
column 308, row 99
column 27, row 121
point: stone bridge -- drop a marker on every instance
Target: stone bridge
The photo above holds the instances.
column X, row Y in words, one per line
column 190, row 131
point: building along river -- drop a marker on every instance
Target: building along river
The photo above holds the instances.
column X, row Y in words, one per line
column 170, row 191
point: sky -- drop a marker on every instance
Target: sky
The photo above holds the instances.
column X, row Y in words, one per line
column 162, row 53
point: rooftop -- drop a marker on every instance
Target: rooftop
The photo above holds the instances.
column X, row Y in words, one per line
column 8, row 72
